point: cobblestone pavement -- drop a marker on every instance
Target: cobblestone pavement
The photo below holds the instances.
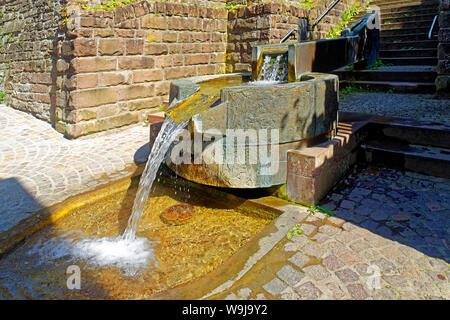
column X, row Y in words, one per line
column 389, row 225
column 413, row 106
column 39, row 167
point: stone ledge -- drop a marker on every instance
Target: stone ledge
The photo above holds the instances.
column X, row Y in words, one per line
column 312, row 172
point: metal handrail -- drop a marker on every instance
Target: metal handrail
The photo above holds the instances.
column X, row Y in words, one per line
column 290, row 33
column 432, row 26
column 331, row 6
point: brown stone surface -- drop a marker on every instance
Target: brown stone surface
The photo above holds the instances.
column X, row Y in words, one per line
column 178, row 214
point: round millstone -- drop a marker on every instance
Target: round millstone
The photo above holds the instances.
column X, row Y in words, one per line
column 178, row 214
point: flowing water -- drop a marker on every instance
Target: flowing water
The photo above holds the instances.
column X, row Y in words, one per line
column 273, row 70
column 169, row 132
column 161, row 257
column 124, row 252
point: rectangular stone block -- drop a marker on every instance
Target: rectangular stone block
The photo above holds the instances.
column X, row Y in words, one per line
column 135, row 92
column 147, row 75
column 111, row 47
column 129, row 63
column 313, row 171
column 92, row 98
column 85, row 65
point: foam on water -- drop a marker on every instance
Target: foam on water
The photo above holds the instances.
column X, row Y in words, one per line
column 129, row 256
column 274, row 70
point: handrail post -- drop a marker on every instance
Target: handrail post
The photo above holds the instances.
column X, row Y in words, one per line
column 432, row 26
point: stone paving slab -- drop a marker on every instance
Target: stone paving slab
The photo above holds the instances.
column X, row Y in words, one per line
column 39, row 167
column 396, row 249
column 413, row 106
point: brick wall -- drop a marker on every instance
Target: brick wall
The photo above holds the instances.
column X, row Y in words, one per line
column 28, row 32
column 86, row 71
column 443, row 67
column 116, row 68
column 269, row 21
column 254, row 25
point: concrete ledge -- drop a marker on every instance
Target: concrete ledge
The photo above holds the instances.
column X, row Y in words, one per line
column 313, row 171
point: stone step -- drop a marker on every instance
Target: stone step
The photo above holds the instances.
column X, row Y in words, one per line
column 403, row 61
column 395, row 7
column 410, row 9
column 395, row 86
column 404, row 37
column 423, row 30
column 410, row 52
column 422, row 159
column 389, row 25
column 408, row 44
column 403, row 2
column 384, row 74
column 434, row 134
column 407, row 17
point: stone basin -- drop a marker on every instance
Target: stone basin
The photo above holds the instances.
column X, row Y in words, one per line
column 283, row 116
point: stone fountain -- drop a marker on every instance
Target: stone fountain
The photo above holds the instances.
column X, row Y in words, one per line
column 297, row 111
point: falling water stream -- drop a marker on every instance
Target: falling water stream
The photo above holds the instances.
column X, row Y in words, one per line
column 273, row 70
column 169, row 132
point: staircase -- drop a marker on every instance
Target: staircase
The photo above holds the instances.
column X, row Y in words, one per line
column 408, row 57
column 413, row 145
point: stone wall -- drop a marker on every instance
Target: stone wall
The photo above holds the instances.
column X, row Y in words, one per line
column 86, row 71
column 28, row 33
column 443, row 67
column 263, row 22
column 114, row 68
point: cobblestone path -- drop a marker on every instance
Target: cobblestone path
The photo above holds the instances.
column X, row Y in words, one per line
column 39, row 167
column 413, row 106
column 389, row 225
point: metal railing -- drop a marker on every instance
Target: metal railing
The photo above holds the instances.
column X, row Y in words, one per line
column 290, row 33
column 331, row 6
column 432, row 26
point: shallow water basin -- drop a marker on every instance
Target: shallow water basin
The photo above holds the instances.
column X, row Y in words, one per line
column 165, row 255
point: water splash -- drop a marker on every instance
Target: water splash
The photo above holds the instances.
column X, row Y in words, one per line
column 129, row 256
column 274, row 70
column 169, row 132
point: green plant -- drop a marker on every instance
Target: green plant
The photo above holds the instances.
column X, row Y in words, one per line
column 350, row 67
column 315, row 209
column 379, row 63
column 111, row 5
column 2, row 96
column 307, row 4
column 295, row 231
column 347, row 17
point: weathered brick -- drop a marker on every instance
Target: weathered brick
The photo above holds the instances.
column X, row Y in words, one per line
column 135, row 92
column 141, row 104
column 128, row 63
column 162, row 88
column 110, row 47
column 84, row 47
column 134, row 46
column 111, row 79
column 92, row 98
column 154, row 22
column 82, row 81
column 147, row 75
column 196, row 59
column 170, row 36
column 179, row 72
column 84, row 65
column 156, row 49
